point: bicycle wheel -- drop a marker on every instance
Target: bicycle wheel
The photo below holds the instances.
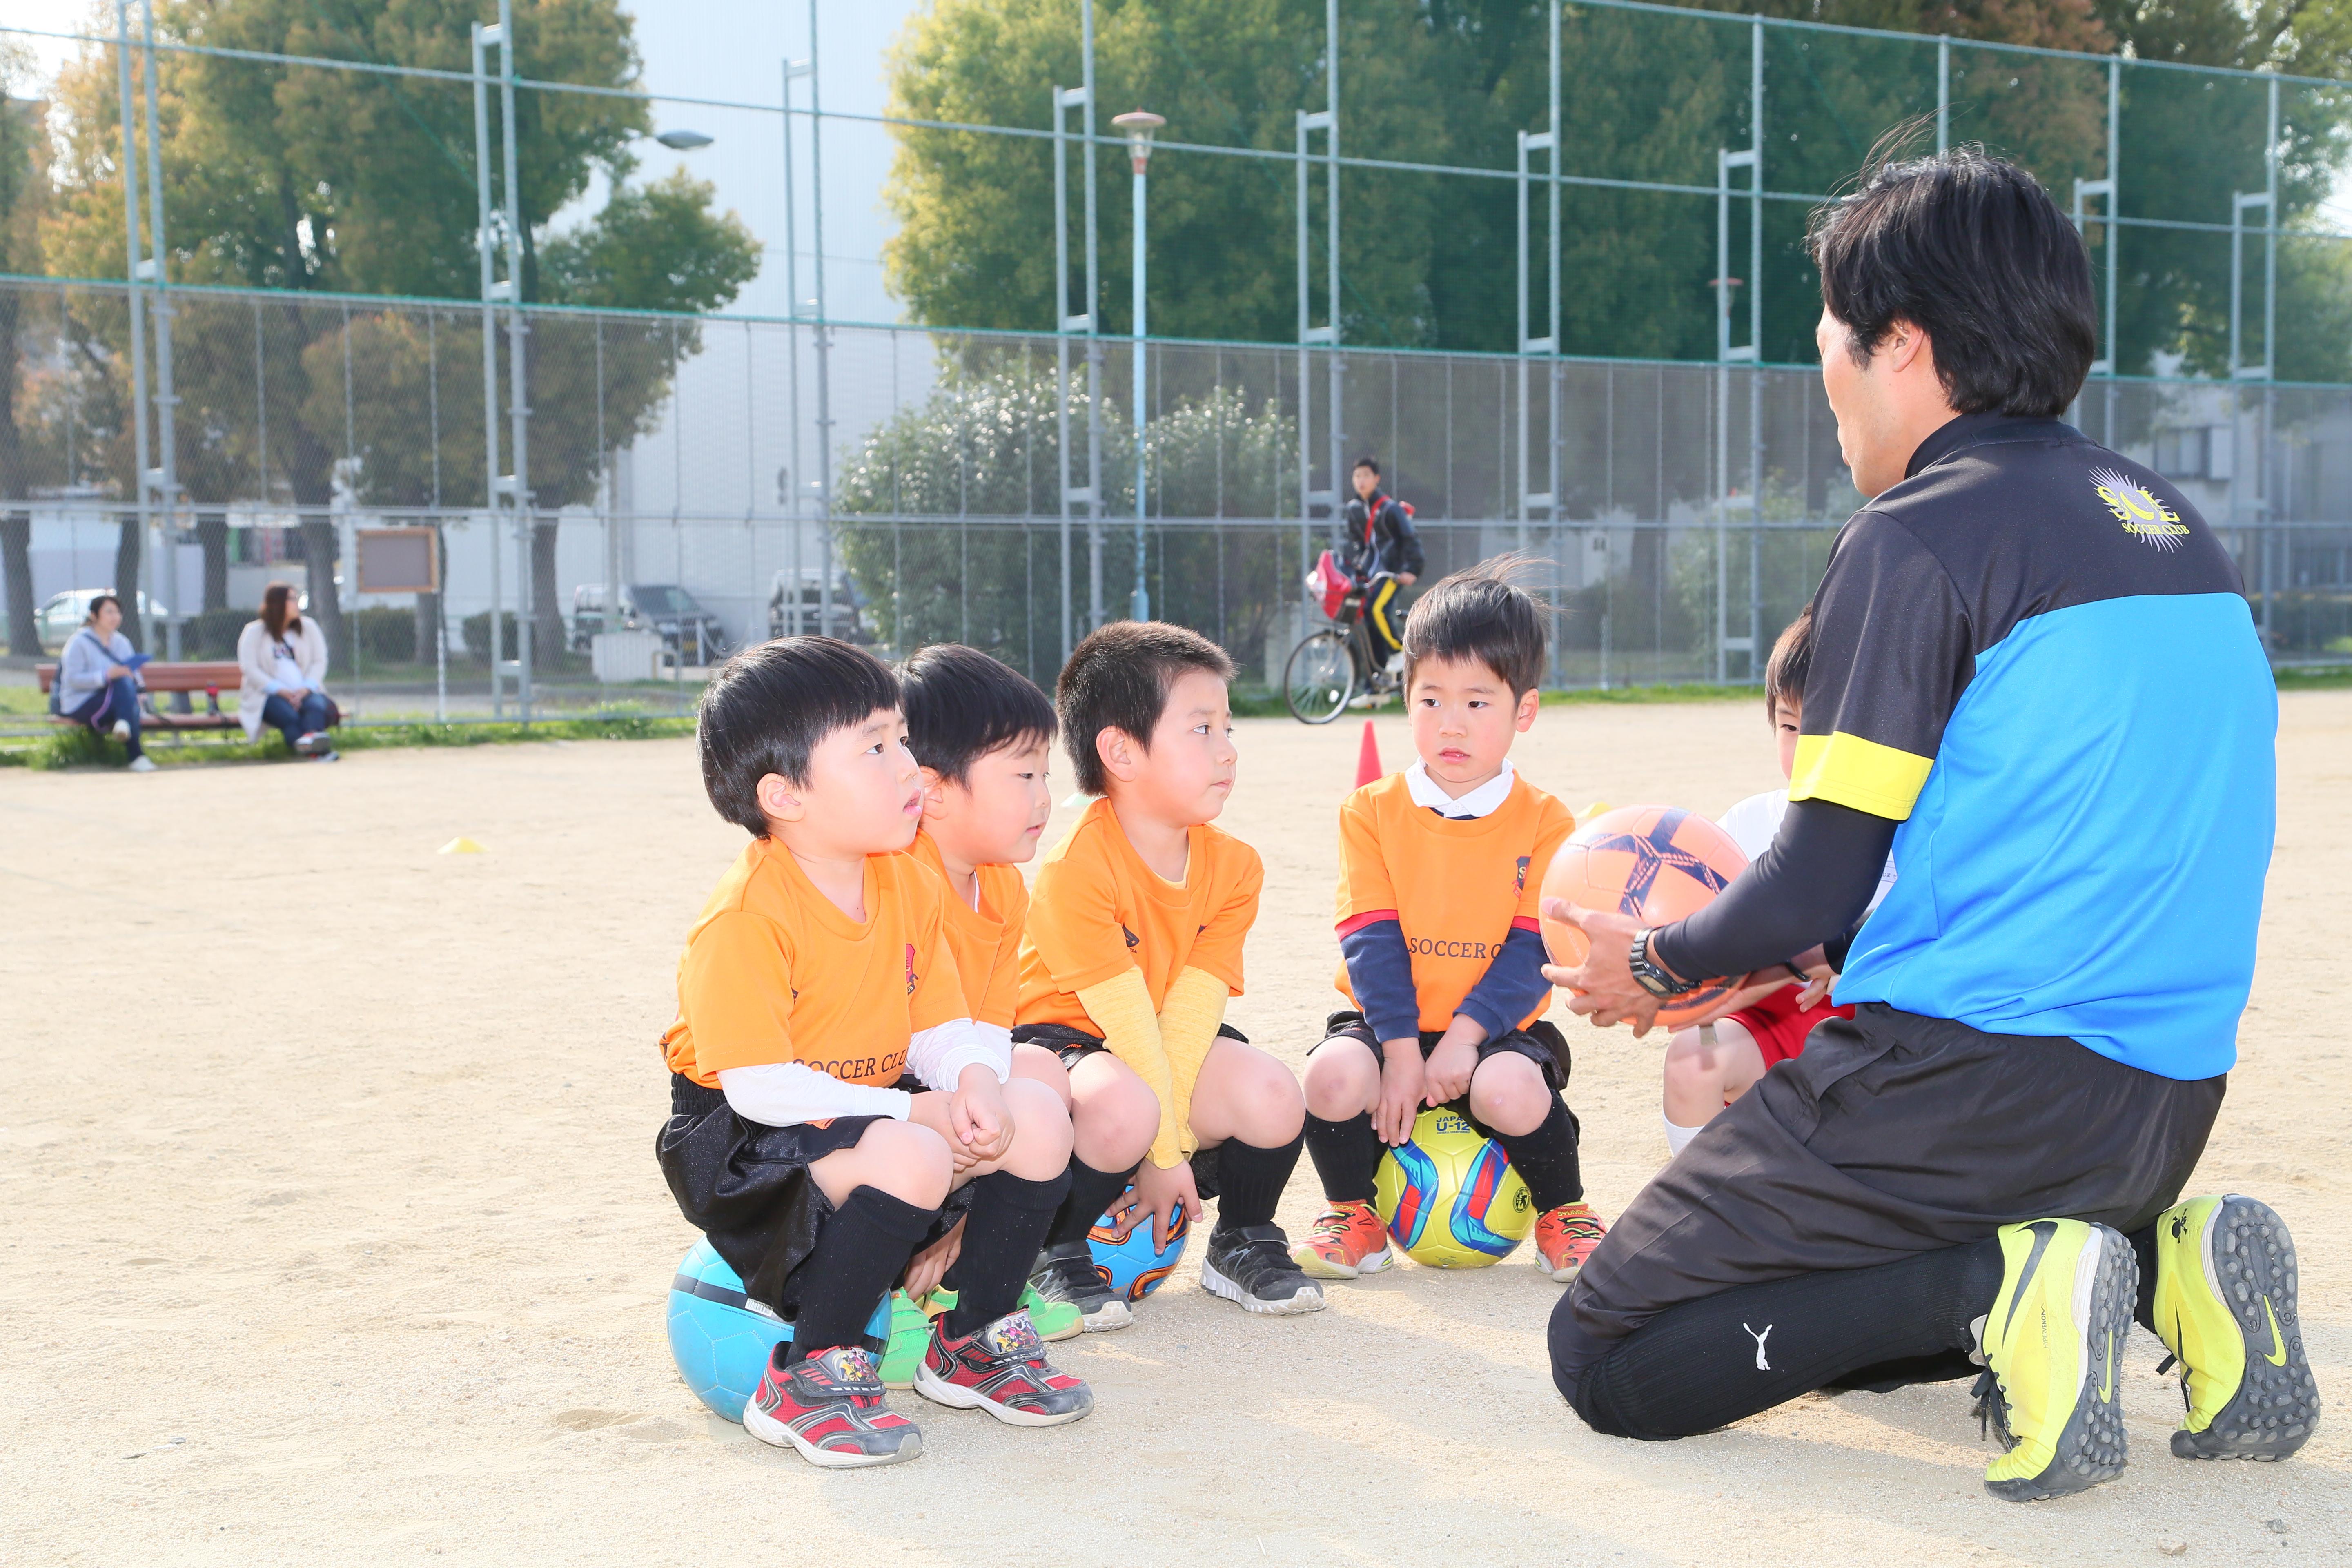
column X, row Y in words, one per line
column 1318, row 679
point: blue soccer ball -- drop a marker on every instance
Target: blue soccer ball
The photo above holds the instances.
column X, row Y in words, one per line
column 1134, row 1269
column 720, row 1339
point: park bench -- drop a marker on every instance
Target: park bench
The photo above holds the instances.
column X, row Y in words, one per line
column 180, row 682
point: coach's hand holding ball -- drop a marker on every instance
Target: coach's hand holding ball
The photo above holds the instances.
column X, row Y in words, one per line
column 1601, row 987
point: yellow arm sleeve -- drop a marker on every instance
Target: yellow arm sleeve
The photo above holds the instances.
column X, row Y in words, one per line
column 1188, row 1027
column 1121, row 1008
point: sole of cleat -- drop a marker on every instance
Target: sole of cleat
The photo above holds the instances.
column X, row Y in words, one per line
column 940, row 1391
column 769, row 1430
column 2250, row 1264
column 1310, row 1299
column 1315, row 1265
column 2093, row 1447
column 1115, row 1314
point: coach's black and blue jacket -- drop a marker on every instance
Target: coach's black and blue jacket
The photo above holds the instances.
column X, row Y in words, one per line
column 2036, row 656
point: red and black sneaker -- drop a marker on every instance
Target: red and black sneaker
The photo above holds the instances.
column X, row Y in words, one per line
column 1001, row 1368
column 829, row 1406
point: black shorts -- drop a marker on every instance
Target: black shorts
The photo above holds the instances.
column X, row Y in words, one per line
column 1074, row 1045
column 747, row 1186
column 1540, row 1042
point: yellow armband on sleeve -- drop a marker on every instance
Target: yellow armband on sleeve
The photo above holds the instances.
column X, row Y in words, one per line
column 1121, row 1008
column 1188, row 1027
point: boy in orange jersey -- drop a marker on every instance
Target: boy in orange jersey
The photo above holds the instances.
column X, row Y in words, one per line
column 983, row 735
column 1440, row 869
column 833, row 1108
column 1133, row 947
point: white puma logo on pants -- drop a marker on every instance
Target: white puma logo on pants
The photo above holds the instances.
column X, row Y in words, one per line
column 1761, row 1364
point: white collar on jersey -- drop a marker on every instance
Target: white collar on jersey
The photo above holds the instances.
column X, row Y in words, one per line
column 1484, row 801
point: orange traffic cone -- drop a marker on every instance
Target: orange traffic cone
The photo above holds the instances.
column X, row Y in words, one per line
column 1368, row 758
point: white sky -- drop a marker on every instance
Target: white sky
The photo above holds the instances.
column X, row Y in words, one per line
column 722, row 49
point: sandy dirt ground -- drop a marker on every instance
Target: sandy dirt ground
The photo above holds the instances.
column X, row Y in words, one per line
column 330, row 1228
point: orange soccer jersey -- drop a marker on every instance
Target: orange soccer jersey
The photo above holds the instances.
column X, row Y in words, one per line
column 987, row 940
column 1097, row 910
column 774, row 972
column 1457, row 887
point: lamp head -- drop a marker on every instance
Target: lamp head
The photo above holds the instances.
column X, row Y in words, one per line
column 683, row 141
column 1139, row 125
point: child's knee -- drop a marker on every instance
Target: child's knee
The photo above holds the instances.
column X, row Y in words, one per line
column 1690, row 1065
column 1039, row 1065
column 1114, row 1119
column 1340, row 1080
column 1265, row 1104
column 1508, row 1094
column 1041, row 1129
column 906, row 1160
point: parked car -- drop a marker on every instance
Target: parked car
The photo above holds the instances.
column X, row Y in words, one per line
column 64, row 614
column 787, row 619
column 683, row 625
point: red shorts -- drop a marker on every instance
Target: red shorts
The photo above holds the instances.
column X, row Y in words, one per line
column 1780, row 1027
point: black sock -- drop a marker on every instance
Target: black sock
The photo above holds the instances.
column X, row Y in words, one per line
column 1091, row 1192
column 1346, row 1156
column 1001, row 1236
column 1250, row 1181
column 1709, row 1363
column 2143, row 1246
column 1546, row 1158
column 860, row 1250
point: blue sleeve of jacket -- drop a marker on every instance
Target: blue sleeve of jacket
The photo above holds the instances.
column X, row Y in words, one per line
column 1380, row 969
column 1512, row 987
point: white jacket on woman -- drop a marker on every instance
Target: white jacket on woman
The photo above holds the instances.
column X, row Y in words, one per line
column 257, row 662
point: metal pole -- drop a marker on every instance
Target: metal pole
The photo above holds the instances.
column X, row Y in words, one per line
column 518, row 380
column 166, row 401
column 134, row 296
column 1140, row 605
column 1337, row 369
column 488, row 245
column 2114, row 234
column 1551, row 332
column 1756, row 354
column 1094, row 324
column 795, row 482
column 1524, row 498
column 1943, row 93
column 1062, row 348
column 824, row 341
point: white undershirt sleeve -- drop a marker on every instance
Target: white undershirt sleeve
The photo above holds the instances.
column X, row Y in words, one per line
column 785, row 1094
column 939, row 1055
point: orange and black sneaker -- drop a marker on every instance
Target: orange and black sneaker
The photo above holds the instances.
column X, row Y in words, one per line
column 829, row 1406
column 1347, row 1243
column 1565, row 1237
column 1000, row 1367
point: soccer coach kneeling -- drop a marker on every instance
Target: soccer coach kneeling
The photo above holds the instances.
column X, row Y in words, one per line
column 2036, row 679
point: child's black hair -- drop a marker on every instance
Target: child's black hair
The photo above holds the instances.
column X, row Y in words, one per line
column 1368, row 461
column 768, row 708
column 1481, row 614
column 961, row 705
column 1791, row 662
column 1118, row 678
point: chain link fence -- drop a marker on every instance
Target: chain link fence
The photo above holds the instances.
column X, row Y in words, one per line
column 689, row 461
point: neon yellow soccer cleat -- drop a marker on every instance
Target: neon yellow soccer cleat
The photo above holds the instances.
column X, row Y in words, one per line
column 2063, row 1310
column 911, row 1331
column 2225, row 1307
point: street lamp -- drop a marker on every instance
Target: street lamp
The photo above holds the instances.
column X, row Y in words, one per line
column 683, row 141
column 1139, row 125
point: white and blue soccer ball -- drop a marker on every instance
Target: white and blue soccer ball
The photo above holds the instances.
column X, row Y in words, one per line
column 720, row 1339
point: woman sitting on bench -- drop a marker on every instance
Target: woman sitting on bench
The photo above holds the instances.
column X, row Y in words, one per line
column 95, row 683
column 283, row 660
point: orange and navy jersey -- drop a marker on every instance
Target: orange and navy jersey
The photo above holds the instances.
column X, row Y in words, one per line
column 774, row 972
column 987, row 940
column 1456, row 890
column 1098, row 911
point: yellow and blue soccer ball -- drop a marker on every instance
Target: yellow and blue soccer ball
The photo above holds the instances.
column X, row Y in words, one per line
column 1449, row 1196
column 719, row 1339
column 1134, row 1269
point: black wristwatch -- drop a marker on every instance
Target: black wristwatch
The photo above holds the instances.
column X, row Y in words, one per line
column 1646, row 972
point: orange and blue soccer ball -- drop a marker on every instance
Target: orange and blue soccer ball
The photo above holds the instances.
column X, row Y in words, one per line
column 1449, row 1197
column 719, row 1339
column 1134, row 1269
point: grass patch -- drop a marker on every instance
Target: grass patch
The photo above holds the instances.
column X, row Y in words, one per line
column 81, row 747
column 2315, row 678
